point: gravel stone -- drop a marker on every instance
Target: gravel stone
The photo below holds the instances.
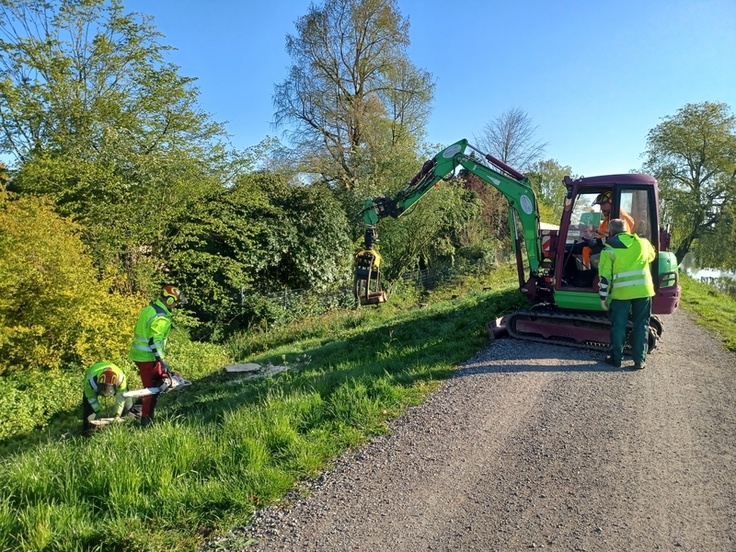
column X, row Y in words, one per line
column 535, row 446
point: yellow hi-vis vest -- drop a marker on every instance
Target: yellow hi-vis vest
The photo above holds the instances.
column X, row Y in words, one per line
column 623, row 270
column 150, row 333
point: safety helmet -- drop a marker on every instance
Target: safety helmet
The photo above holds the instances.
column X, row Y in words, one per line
column 603, row 197
column 171, row 296
column 107, row 383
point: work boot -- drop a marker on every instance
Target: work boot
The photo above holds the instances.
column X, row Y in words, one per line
column 610, row 360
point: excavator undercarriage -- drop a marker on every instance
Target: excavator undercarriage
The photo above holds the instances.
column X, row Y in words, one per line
column 584, row 329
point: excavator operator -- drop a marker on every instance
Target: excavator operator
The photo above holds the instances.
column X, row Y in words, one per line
column 591, row 251
column 604, row 200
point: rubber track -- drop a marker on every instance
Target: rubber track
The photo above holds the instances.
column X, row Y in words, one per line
column 591, row 320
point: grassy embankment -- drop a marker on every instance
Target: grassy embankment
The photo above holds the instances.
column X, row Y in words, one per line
column 713, row 310
column 228, row 445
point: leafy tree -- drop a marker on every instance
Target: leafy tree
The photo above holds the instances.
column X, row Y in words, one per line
column 258, row 237
column 693, row 156
column 433, row 230
column 216, row 252
column 547, row 180
column 53, row 308
column 494, row 215
column 354, row 103
column 510, row 137
column 313, row 240
column 93, row 118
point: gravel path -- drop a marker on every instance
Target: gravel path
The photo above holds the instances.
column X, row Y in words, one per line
column 537, row 446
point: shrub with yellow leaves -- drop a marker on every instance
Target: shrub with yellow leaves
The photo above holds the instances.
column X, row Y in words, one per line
column 54, row 309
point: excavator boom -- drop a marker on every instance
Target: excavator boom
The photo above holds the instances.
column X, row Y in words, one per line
column 513, row 185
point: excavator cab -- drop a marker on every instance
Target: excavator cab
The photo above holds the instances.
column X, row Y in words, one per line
column 584, row 229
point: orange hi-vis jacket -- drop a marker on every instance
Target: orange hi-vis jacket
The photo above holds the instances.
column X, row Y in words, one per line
column 603, row 233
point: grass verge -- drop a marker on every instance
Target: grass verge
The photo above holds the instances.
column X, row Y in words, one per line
column 713, row 309
column 228, row 445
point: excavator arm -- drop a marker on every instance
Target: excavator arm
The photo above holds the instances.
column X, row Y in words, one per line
column 523, row 208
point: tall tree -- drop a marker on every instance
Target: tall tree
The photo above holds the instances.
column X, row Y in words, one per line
column 434, row 230
column 93, row 118
column 353, row 103
column 511, row 138
column 693, row 156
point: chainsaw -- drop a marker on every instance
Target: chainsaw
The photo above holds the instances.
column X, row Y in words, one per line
column 171, row 383
column 103, row 422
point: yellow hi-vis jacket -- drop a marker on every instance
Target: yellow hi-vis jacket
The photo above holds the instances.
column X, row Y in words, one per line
column 150, row 333
column 623, row 270
column 90, row 387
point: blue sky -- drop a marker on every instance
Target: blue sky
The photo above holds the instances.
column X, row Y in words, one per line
column 594, row 75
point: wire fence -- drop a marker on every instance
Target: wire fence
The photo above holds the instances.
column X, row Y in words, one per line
column 290, row 299
column 294, row 299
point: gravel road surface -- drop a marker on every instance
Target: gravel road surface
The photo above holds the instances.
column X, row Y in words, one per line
column 538, row 446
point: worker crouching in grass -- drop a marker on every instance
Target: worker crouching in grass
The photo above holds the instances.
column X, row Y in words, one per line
column 102, row 398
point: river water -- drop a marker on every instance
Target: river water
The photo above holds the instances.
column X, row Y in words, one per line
column 723, row 280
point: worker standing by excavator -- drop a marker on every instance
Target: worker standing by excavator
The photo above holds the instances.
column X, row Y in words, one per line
column 148, row 350
column 626, row 279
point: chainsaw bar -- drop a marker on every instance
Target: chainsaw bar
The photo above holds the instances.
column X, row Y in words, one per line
column 176, row 383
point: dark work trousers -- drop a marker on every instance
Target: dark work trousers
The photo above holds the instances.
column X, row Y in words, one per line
column 87, row 411
column 641, row 311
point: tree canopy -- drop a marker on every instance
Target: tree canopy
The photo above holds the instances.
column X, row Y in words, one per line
column 257, row 237
column 53, row 307
column 95, row 119
column 547, row 180
column 510, row 137
column 353, row 104
column 693, row 156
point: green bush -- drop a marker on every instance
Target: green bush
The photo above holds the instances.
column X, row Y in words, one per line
column 54, row 310
column 29, row 403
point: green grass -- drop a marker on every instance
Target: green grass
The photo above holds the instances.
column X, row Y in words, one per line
column 228, row 445
column 714, row 310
